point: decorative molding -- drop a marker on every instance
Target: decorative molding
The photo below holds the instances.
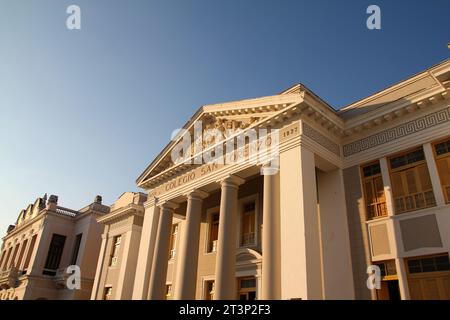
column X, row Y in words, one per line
column 400, row 131
column 321, row 139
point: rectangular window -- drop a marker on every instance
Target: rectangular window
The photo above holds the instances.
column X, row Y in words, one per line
column 54, row 254
column 115, row 251
column 3, row 258
column 247, row 288
column 22, row 251
column 442, row 154
column 213, row 232
column 411, row 183
column 173, row 241
column 13, row 260
column 76, row 248
column 429, row 264
column 248, row 216
column 108, row 293
column 5, row 265
column 29, row 253
column 387, row 268
column 374, row 191
column 209, row 290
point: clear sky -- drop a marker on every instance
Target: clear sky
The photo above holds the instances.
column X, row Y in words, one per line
column 83, row 112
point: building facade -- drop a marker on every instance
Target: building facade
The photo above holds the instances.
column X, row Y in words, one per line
column 278, row 197
column 323, row 195
column 45, row 240
column 118, row 255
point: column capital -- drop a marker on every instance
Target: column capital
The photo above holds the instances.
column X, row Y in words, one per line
column 231, row 181
column 151, row 201
column 196, row 195
column 168, row 205
column 270, row 168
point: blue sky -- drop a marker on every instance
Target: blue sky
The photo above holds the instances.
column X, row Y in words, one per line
column 83, row 112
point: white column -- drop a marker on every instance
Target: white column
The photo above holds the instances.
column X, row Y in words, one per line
column 387, row 186
column 337, row 272
column 186, row 273
column 392, row 225
column 100, row 265
column 225, row 273
column 301, row 268
column 161, row 254
column 128, row 258
column 434, row 174
column 271, row 247
column 146, row 250
column 402, row 279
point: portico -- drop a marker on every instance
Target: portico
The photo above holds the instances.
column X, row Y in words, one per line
column 222, row 208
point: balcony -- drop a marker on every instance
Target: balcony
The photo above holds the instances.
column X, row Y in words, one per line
column 9, row 278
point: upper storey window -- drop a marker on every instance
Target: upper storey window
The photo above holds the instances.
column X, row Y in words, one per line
column 54, row 254
column 213, row 232
column 374, row 191
column 411, row 183
column 442, row 153
column 248, row 224
column 115, row 251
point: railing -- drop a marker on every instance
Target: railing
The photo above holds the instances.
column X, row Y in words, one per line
column 377, row 210
column 414, row 201
column 66, row 212
column 248, row 239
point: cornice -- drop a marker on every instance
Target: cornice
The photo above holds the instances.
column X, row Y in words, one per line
column 395, row 110
column 402, row 130
column 129, row 210
column 25, row 225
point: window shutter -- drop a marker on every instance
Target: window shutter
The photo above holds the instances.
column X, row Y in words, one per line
column 369, row 192
column 443, row 166
column 379, row 188
column 424, row 177
column 397, row 185
column 411, row 181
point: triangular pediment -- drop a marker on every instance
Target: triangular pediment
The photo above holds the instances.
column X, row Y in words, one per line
column 227, row 118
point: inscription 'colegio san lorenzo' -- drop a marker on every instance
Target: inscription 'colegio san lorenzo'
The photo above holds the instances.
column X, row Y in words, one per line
column 206, row 169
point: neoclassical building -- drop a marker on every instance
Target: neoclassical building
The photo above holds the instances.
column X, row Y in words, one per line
column 45, row 240
column 322, row 195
